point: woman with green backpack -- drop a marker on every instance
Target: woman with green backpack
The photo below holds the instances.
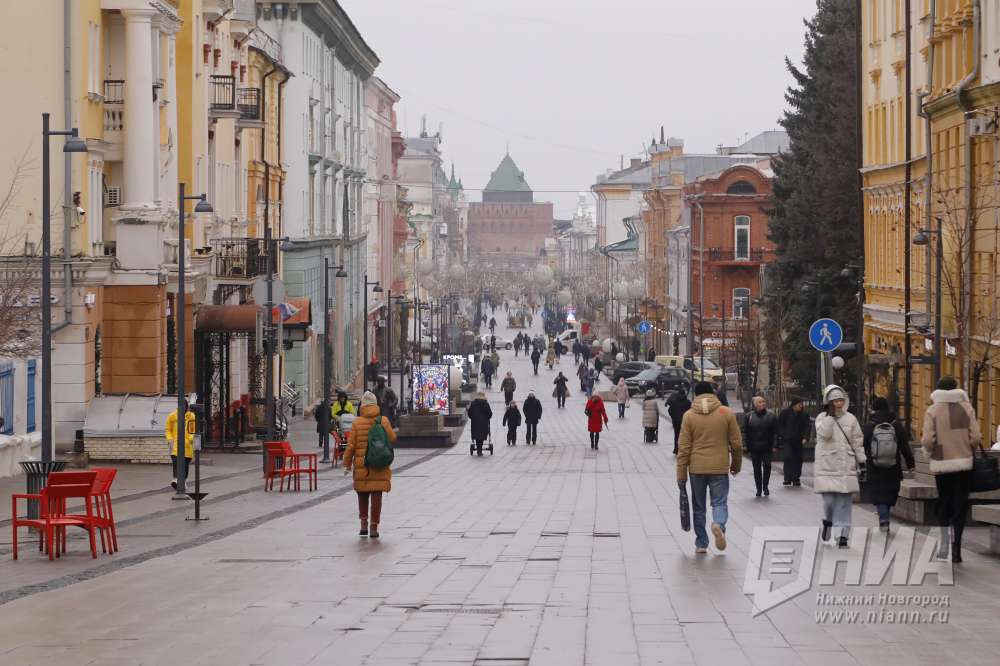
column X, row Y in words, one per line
column 369, row 453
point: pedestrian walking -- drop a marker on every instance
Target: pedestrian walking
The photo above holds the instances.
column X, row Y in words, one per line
column 794, row 428
column 493, row 324
column 840, row 459
column 550, row 356
column 886, row 447
column 621, row 394
column 650, row 417
column 677, row 407
column 486, row 369
column 950, row 437
column 517, row 344
column 598, row 364
column 170, row 434
column 493, row 343
column 536, row 356
column 561, row 390
column 576, row 351
column 760, row 430
column 582, row 373
column 495, row 358
column 512, row 419
column 369, row 483
column 592, row 379
column 508, row 386
column 710, row 446
column 479, row 414
column 597, row 419
column 532, row 410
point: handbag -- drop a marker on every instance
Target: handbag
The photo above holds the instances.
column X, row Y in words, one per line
column 860, row 470
column 985, row 472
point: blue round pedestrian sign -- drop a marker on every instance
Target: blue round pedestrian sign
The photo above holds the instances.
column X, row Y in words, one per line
column 644, row 327
column 825, row 335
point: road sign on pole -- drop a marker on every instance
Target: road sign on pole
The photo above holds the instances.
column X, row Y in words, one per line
column 644, row 327
column 825, row 335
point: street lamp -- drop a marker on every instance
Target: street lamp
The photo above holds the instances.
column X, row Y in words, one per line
column 327, row 355
column 376, row 288
column 923, row 238
column 74, row 144
column 180, row 426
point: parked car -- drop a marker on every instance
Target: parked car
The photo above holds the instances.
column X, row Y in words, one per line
column 631, row 369
column 712, row 372
column 502, row 343
column 661, row 380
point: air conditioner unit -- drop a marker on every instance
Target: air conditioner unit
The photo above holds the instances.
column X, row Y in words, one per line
column 113, row 196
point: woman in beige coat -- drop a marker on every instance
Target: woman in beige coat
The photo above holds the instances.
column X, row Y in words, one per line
column 840, row 455
column 621, row 394
column 368, row 483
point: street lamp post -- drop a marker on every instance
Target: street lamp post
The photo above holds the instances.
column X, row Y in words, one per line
column 376, row 288
column 180, row 427
column 74, row 144
column 327, row 355
column 923, row 238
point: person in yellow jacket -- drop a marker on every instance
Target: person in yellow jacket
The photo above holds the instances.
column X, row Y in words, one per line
column 170, row 432
column 341, row 406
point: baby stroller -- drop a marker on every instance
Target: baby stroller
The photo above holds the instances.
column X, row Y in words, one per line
column 341, row 429
column 487, row 445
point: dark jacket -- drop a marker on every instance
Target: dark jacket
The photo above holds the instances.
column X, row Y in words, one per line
column 479, row 413
column 793, row 427
column 536, row 355
column 560, row 383
column 677, row 407
column 760, row 431
column 486, row 367
column 532, row 409
column 512, row 417
column 883, row 483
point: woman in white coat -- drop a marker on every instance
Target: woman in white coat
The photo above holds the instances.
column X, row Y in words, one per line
column 840, row 455
column 621, row 394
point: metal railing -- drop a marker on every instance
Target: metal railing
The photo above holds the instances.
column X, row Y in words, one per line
column 222, row 92
column 242, row 258
column 114, row 91
column 248, row 103
column 724, row 254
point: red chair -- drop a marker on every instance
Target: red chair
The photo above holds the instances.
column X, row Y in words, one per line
column 53, row 519
column 104, row 515
column 284, row 462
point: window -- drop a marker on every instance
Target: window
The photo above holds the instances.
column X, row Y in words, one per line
column 742, row 237
column 31, row 396
column 741, row 187
column 741, row 303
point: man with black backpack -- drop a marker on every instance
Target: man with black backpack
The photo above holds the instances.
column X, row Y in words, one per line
column 886, row 445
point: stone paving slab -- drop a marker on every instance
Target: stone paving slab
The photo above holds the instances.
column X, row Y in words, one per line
column 537, row 555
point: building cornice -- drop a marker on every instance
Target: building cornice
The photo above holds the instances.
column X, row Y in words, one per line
column 327, row 18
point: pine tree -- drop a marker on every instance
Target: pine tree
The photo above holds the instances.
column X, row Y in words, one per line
column 814, row 222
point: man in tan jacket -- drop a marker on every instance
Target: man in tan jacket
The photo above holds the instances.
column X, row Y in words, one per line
column 710, row 447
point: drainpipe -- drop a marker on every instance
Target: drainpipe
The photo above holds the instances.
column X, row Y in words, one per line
column 929, row 156
column 907, row 222
column 970, row 225
column 263, row 154
column 68, row 208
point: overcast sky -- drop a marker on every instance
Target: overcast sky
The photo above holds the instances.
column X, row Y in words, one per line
column 571, row 85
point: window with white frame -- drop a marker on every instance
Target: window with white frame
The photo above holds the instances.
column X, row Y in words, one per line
column 742, row 237
column 741, row 303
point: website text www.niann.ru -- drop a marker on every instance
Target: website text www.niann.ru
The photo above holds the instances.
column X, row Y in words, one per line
column 882, row 616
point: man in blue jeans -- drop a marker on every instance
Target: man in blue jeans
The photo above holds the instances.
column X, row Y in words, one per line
column 710, row 447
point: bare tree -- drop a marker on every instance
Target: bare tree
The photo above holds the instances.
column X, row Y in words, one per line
column 20, row 311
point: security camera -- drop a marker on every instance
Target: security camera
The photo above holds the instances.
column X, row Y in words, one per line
column 80, row 211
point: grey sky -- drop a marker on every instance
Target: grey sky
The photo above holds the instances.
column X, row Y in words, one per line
column 573, row 84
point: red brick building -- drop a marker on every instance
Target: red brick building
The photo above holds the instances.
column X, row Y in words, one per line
column 730, row 263
column 508, row 221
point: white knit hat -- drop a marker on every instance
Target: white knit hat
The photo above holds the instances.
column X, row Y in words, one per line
column 368, row 399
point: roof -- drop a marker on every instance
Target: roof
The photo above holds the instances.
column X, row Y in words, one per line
column 770, row 142
column 136, row 415
column 696, row 166
column 425, row 145
column 628, row 245
column 507, row 178
column 641, row 176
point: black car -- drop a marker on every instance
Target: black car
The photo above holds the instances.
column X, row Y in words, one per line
column 661, row 380
column 631, row 369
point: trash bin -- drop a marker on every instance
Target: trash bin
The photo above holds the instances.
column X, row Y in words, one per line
column 36, row 475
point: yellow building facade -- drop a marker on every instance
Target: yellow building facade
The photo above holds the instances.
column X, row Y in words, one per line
column 950, row 123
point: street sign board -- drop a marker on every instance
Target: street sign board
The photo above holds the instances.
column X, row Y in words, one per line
column 825, row 335
column 644, row 327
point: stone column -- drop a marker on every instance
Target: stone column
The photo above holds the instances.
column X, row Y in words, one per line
column 140, row 137
column 170, row 92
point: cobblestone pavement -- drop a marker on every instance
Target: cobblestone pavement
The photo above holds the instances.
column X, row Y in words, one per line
column 553, row 554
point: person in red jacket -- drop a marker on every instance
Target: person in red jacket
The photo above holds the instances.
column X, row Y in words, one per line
column 597, row 418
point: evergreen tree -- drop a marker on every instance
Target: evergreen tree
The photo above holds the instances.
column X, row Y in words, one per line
column 815, row 222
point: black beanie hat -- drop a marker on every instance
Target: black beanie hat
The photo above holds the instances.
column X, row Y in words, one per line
column 701, row 388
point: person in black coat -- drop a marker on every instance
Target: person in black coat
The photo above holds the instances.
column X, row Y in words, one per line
column 794, row 430
column 536, row 356
column 479, row 414
column 760, row 435
column 512, row 419
column 561, row 390
column 882, row 485
column 486, row 369
column 677, row 406
column 532, row 410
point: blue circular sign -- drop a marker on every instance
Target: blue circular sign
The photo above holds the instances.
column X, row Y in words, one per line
column 644, row 327
column 825, row 335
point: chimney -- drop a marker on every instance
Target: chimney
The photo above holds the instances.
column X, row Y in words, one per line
column 423, row 125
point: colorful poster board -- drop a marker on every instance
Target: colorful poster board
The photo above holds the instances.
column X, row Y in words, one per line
column 430, row 387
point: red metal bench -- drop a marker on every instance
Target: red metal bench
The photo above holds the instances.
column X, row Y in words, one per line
column 283, row 462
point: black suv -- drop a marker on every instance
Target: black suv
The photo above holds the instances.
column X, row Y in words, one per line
column 661, row 380
column 631, row 369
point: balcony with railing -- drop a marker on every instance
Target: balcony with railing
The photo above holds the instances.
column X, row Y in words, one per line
column 222, row 94
column 240, row 258
column 248, row 103
column 114, row 105
column 729, row 257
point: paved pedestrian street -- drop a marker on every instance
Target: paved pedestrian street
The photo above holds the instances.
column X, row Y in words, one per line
column 553, row 554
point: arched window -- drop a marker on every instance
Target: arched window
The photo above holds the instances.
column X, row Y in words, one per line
column 741, row 231
column 741, row 303
column 741, row 187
